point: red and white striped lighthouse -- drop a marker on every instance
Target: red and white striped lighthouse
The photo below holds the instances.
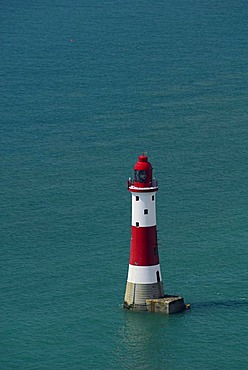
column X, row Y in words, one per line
column 144, row 279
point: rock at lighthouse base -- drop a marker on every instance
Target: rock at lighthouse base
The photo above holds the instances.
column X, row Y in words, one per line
column 168, row 304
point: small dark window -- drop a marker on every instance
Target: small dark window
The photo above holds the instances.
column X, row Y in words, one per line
column 137, row 198
column 145, row 211
column 153, row 197
column 137, row 223
column 158, row 276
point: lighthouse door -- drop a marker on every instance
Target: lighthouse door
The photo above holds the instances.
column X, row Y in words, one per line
column 158, row 276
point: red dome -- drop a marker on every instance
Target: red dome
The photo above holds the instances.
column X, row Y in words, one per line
column 143, row 163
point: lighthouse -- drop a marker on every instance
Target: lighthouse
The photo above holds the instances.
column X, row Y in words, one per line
column 144, row 279
column 144, row 287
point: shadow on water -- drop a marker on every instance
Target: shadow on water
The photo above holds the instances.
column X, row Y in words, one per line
column 232, row 303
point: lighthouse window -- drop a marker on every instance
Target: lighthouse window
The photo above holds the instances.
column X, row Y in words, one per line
column 137, row 223
column 145, row 211
column 153, row 197
column 140, row 176
column 137, row 198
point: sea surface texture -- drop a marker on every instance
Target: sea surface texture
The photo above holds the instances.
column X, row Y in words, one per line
column 86, row 87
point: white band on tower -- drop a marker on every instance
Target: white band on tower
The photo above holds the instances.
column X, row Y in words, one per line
column 143, row 209
column 144, row 274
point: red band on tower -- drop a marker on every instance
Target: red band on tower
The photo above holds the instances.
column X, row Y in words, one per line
column 144, row 247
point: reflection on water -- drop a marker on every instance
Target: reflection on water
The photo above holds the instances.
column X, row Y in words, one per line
column 144, row 341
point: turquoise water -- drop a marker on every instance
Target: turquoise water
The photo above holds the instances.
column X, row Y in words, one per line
column 87, row 87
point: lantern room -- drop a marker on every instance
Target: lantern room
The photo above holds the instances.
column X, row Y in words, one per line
column 143, row 172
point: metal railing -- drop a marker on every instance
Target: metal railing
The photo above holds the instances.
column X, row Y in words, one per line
column 153, row 184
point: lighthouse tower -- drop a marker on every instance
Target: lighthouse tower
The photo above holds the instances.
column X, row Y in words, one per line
column 144, row 279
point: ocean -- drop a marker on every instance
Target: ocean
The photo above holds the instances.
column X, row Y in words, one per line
column 86, row 87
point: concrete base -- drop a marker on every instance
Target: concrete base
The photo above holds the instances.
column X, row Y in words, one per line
column 168, row 304
column 137, row 294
